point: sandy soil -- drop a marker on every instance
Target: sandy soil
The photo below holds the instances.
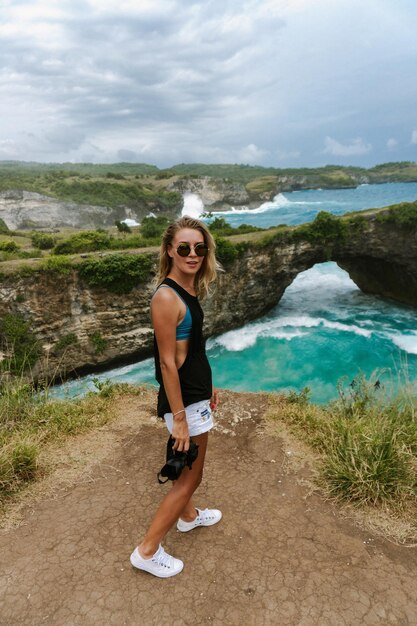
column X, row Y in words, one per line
column 280, row 556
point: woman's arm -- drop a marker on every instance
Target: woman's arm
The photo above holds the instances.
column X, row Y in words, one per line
column 165, row 311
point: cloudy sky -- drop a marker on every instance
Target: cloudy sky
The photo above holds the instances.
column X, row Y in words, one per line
column 268, row 82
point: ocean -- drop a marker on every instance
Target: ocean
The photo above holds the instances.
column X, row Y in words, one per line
column 323, row 333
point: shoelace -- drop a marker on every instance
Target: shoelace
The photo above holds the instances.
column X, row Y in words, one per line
column 205, row 515
column 163, row 559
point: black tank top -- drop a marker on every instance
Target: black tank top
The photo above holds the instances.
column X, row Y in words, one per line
column 195, row 373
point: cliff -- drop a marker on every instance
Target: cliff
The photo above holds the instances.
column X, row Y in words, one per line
column 87, row 195
column 25, row 209
column 79, row 326
column 219, row 194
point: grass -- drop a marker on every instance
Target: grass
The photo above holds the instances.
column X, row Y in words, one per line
column 365, row 442
column 29, row 421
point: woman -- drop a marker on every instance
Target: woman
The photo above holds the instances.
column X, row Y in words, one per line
column 186, row 396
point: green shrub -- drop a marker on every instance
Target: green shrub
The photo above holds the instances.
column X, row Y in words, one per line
column 119, row 273
column 153, row 226
column 86, row 241
column 403, row 215
column 135, row 241
column 65, row 342
column 9, row 246
column 18, row 464
column 105, row 388
column 122, row 227
column 325, row 228
column 356, row 224
column 220, row 226
column 99, row 342
column 366, row 461
column 226, row 252
column 24, row 460
column 43, row 241
column 116, row 176
column 57, row 265
column 19, row 343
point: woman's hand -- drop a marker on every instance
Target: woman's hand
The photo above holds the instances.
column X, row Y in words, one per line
column 214, row 402
column 181, row 435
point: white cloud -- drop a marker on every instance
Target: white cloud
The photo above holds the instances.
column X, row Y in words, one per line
column 251, row 154
column 353, row 148
column 392, row 143
column 207, row 80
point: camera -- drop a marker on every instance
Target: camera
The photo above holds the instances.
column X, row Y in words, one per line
column 176, row 461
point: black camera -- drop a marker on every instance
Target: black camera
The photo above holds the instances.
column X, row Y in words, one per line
column 176, row 461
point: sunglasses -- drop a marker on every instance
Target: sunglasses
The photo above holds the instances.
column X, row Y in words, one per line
column 184, row 249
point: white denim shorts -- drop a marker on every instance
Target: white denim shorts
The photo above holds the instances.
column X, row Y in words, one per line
column 199, row 418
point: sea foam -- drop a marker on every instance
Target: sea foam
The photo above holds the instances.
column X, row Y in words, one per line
column 193, row 205
column 284, row 328
column 408, row 343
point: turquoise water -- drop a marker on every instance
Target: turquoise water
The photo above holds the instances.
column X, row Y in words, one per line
column 323, row 329
column 302, row 206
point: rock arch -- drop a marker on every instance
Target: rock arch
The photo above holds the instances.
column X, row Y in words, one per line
column 381, row 259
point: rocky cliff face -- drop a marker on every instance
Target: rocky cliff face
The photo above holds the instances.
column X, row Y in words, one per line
column 218, row 194
column 24, row 209
column 81, row 327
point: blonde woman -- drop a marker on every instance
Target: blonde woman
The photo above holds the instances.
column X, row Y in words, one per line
column 186, row 396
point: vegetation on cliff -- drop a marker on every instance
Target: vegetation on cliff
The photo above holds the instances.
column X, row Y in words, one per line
column 366, row 441
column 403, row 215
column 118, row 273
column 29, row 421
column 144, row 188
column 19, row 347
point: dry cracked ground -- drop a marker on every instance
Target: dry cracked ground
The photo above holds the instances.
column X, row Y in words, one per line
column 280, row 556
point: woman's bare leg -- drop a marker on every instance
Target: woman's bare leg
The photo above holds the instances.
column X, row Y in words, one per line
column 189, row 512
column 177, row 503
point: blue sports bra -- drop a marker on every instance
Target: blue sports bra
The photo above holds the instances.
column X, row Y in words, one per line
column 183, row 330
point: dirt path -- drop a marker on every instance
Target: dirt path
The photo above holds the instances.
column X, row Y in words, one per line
column 279, row 556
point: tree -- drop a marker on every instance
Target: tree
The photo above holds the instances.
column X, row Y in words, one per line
column 122, row 227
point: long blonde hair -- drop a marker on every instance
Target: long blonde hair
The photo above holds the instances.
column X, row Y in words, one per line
column 208, row 272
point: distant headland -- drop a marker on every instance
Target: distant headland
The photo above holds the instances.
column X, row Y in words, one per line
column 85, row 195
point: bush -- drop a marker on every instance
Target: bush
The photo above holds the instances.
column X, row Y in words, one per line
column 226, row 252
column 220, row 226
column 18, row 463
column 42, row 241
column 57, row 265
column 65, row 342
column 367, row 440
column 99, row 342
column 326, row 228
column 122, row 227
column 87, row 241
column 19, row 343
column 153, row 226
column 403, row 215
column 9, row 246
column 119, row 273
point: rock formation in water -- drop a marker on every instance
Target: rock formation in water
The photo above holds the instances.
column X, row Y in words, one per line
column 79, row 326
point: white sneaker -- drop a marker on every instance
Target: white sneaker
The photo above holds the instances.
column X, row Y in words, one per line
column 208, row 517
column 160, row 564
